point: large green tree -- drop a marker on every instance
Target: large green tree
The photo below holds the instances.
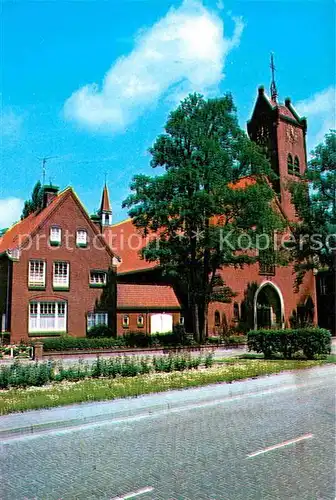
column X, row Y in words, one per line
column 314, row 242
column 35, row 201
column 203, row 223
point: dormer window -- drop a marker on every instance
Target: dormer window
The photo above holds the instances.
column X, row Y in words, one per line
column 55, row 236
column 81, row 238
column 296, row 166
column 290, row 165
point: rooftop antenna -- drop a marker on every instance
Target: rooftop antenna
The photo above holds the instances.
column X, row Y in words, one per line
column 44, row 161
column 105, row 174
column 274, row 92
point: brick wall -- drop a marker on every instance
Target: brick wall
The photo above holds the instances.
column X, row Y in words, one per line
column 133, row 315
column 239, row 279
column 80, row 297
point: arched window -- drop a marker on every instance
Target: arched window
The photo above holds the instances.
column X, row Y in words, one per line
column 290, row 166
column 296, row 165
column 217, row 318
column 140, row 321
column 236, row 311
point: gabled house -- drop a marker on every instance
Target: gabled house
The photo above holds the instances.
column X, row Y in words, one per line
column 54, row 268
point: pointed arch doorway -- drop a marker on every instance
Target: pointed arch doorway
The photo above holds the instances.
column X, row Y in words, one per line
column 268, row 307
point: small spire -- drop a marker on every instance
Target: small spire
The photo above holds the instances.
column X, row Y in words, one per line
column 274, row 92
column 105, row 202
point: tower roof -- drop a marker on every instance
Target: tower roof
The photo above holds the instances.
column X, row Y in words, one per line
column 105, row 202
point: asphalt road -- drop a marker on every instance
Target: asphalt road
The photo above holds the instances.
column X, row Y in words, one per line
column 270, row 438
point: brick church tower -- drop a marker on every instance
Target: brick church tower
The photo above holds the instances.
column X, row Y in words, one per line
column 280, row 130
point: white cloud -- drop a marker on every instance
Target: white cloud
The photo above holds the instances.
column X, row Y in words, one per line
column 10, row 123
column 184, row 51
column 10, row 211
column 320, row 112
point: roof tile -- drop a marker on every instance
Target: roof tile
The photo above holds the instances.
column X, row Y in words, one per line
column 146, row 296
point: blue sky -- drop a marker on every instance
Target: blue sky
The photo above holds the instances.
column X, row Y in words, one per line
column 92, row 82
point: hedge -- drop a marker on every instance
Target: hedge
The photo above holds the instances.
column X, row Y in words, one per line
column 82, row 343
column 287, row 343
column 130, row 339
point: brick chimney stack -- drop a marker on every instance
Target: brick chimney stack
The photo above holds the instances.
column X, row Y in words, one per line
column 49, row 194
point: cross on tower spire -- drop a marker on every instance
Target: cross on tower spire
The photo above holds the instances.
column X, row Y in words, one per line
column 274, row 92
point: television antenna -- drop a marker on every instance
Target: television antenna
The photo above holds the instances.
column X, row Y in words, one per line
column 44, row 161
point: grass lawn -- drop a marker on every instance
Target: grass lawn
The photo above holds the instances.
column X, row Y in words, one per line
column 65, row 393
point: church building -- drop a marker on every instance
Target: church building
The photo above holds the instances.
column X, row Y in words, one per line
column 59, row 266
column 265, row 293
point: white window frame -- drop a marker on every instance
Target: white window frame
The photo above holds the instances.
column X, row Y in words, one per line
column 97, row 319
column 55, row 235
column 81, row 237
column 95, row 278
column 61, row 280
column 47, row 317
column 36, row 279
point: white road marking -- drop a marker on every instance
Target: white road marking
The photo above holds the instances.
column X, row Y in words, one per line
column 280, row 445
column 134, row 494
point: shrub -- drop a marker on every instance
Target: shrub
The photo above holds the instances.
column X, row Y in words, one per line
column 236, row 340
column 214, row 340
column 137, row 339
column 77, row 343
column 208, row 362
column 310, row 341
column 5, row 338
column 99, row 331
column 18, row 375
column 163, row 363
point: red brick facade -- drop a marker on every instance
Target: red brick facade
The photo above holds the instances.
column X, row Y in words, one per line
column 80, row 297
column 133, row 316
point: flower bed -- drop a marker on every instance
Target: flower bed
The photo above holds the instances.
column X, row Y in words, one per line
column 38, row 374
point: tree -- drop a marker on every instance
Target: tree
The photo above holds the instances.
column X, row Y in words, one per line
column 35, row 203
column 200, row 218
column 314, row 242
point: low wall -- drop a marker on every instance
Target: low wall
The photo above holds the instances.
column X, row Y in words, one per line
column 140, row 351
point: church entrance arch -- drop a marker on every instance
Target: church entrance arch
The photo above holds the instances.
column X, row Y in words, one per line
column 268, row 307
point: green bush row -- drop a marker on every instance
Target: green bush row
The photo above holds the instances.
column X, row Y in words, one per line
column 130, row 339
column 309, row 341
column 18, row 375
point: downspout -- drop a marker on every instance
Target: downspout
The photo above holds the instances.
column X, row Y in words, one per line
column 8, row 296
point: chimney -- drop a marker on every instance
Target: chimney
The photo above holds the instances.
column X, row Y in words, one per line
column 49, row 194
